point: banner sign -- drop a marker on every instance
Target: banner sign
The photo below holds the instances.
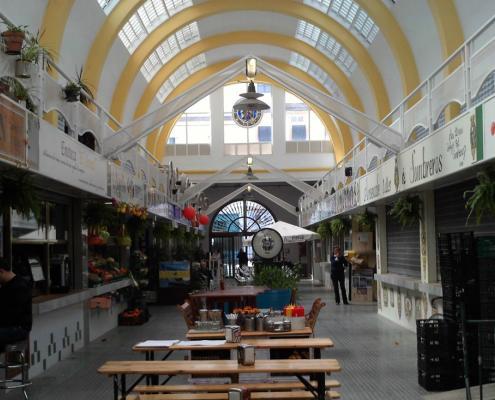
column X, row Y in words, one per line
column 65, row 159
column 460, row 144
column 174, row 274
column 13, row 129
column 125, row 187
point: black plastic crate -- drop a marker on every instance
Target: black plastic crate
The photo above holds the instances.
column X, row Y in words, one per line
column 440, row 381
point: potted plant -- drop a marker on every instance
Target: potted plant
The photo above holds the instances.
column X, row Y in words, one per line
column 482, row 198
column 337, row 225
column 407, row 210
column 19, row 93
column 13, row 38
column 30, row 55
column 73, row 90
column 280, row 280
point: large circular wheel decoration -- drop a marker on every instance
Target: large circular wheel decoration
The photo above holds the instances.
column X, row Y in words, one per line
column 247, row 119
column 267, row 243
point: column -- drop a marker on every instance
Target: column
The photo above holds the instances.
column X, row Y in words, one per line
column 381, row 239
column 216, row 105
column 428, row 239
column 278, row 115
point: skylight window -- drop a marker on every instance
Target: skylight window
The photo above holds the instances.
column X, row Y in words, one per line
column 151, row 14
column 351, row 15
column 169, row 48
column 107, row 5
column 326, row 44
column 299, row 61
column 180, row 74
column 307, row 32
column 316, row 72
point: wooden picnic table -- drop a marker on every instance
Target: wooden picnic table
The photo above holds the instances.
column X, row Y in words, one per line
column 300, row 368
column 240, row 296
column 194, row 334
column 260, row 343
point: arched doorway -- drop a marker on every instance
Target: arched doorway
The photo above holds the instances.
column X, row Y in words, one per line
column 235, row 221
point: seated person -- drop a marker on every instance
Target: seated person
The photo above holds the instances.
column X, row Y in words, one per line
column 15, row 306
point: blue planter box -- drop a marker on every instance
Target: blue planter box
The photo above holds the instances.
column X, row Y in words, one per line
column 275, row 298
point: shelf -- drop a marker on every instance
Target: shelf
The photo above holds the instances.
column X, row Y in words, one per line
column 49, row 303
column 434, row 289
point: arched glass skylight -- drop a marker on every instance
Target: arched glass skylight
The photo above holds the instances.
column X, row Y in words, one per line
column 325, row 43
column 180, row 40
column 304, row 64
column 351, row 15
column 190, row 67
column 151, row 14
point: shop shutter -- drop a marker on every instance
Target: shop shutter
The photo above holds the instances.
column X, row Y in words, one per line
column 451, row 214
column 403, row 254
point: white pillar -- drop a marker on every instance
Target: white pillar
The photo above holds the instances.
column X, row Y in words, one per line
column 381, row 240
column 278, row 115
column 217, row 124
column 428, row 239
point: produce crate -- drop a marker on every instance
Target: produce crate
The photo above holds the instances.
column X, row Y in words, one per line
column 130, row 320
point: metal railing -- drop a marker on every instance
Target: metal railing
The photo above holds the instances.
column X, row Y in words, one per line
column 457, row 80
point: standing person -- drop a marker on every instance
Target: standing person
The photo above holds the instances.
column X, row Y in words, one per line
column 15, row 306
column 339, row 263
column 243, row 258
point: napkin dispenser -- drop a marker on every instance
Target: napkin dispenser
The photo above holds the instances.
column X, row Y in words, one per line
column 232, row 333
column 246, row 354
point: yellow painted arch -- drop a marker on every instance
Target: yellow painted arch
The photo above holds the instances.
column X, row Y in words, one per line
column 53, row 26
column 397, row 40
column 121, row 92
column 246, row 37
column 157, row 140
column 107, row 34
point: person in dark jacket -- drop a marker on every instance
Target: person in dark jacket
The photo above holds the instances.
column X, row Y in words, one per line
column 337, row 273
column 15, row 306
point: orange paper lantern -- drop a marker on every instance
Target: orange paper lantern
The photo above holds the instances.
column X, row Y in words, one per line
column 203, row 219
column 189, row 213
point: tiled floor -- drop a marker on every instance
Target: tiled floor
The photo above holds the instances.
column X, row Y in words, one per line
column 378, row 358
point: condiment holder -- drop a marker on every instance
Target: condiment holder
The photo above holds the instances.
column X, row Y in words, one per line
column 246, row 354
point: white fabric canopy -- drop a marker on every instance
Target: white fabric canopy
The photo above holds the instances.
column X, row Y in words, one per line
column 290, row 233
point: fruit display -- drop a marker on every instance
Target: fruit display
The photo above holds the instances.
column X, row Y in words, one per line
column 130, row 209
column 104, row 270
column 247, row 310
column 293, row 310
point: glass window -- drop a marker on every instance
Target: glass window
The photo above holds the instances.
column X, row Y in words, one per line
column 265, row 134
column 298, row 132
column 194, row 126
column 301, row 122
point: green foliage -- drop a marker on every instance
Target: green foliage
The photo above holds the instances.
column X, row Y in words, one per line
column 338, row 226
column 482, row 197
column 33, row 49
column 19, row 194
column 366, row 221
column 84, row 86
column 97, row 213
column 276, row 277
column 15, row 28
column 324, row 230
column 162, row 230
column 136, row 227
column 407, row 210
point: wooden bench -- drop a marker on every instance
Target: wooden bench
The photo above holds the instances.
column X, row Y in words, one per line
column 218, row 388
column 295, row 395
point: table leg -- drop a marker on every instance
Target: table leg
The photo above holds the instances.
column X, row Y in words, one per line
column 320, row 379
column 154, row 378
column 147, row 358
column 122, row 387
column 115, row 387
column 317, row 353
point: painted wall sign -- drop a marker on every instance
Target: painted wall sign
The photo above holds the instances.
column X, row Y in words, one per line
column 13, row 130
column 489, row 129
column 125, row 187
column 66, row 160
column 450, row 149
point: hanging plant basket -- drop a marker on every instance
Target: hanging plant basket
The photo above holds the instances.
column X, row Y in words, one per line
column 337, row 226
column 18, row 194
column 324, row 230
column 23, row 68
column 407, row 210
column 482, row 198
column 123, row 241
column 366, row 221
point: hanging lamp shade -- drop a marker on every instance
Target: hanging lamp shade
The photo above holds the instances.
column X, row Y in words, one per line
column 249, row 101
column 203, row 219
column 189, row 213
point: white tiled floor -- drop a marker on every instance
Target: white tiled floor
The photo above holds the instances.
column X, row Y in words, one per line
column 378, row 358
